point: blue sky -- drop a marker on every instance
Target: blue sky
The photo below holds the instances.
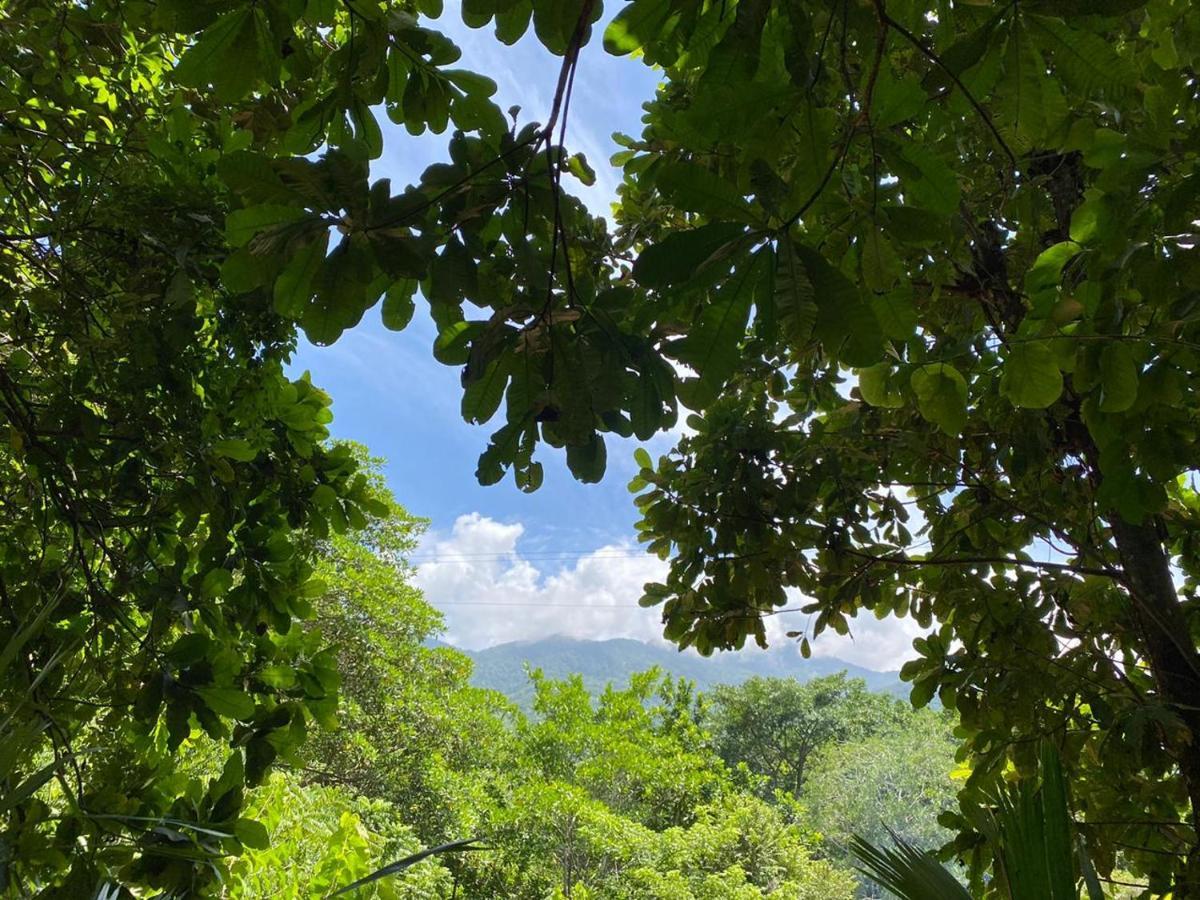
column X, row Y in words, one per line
column 390, row 393
column 503, row 565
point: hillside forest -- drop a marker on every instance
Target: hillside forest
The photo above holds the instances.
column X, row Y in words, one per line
column 644, row 790
column 903, row 294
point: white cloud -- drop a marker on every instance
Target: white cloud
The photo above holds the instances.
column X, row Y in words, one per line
column 492, row 592
column 872, row 643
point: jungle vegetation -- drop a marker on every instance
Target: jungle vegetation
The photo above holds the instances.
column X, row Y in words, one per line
column 920, row 277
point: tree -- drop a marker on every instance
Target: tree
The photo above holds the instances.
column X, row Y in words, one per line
column 320, row 839
column 618, row 747
column 892, row 784
column 164, row 482
column 620, row 796
column 924, row 263
column 966, row 389
column 411, row 729
column 774, row 725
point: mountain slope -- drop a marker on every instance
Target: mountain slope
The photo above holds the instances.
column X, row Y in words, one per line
column 502, row 667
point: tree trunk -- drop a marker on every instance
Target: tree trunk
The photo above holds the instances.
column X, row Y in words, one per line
column 1172, row 655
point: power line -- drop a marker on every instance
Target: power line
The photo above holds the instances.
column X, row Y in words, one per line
column 514, row 556
column 531, row 603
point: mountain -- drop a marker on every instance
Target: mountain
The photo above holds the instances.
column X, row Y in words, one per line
column 502, row 667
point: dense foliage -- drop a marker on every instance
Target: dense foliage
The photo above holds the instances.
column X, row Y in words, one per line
column 774, row 725
column 620, row 794
column 163, row 479
column 924, row 272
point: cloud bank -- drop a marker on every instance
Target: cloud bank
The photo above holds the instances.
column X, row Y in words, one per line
column 493, row 591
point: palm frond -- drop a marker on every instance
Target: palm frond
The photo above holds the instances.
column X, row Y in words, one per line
column 402, row 864
column 907, row 872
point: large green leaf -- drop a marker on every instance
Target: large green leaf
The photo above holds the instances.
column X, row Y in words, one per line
column 795, row 300
column 243, row 224
column 1031, row 377
column 294, row 287
column 398, row 304
column 846, row 325
column 411, row 860
column 941, row 396
column 1084, row 60
column 481, row 398
column 691, row 187
column 711, row 347
column 1118, row 377
column 683, row 254
column 879, row 387
column 636, row 25
column 232, row 54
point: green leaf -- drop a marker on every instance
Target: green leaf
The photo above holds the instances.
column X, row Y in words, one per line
column 941, row 396
column 243, row 224
column 1056, row 824
column 682, row 254
column 846, row 324
column 243, row 272
column 1118, row 377
column 453, row 344
column 878, row 387
column 711, row 347
column 232, row 55
column 555, row 22
column 895, row 99
column 514, row 22
column 231, row 702
column 795, row 300
column 1085, row 7
column 636, row 25
column 693, row 188
column 294, row 286
column 914, row 225
column 252, row 834
column 470, row 82
column 1043, row 278
column 402, row 864
column 880, row 264
column 482, row 397
column 1031, row 378
column 260, row 753
column 1094, row 218
column 17, row 795
column 909, row 873
column 577, row 165
column 235, row 448
column 348, row 286
column 216, row 582
column 927, row 182
column 280, row 677
column 1083, row 60
column 189, row 649
column 736, row 57
column 896, row 313
column 1029, row 104
column 588, row 461
column 398, row 304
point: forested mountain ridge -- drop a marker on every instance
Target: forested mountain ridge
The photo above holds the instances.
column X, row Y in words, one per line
column 502, row 667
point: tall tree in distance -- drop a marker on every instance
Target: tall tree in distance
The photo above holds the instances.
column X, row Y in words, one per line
column 774, row 725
